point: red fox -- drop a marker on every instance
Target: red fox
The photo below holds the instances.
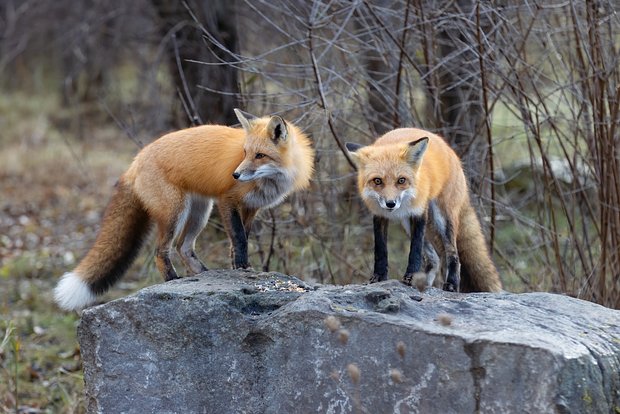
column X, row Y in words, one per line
column 173, row 183
column 412, row 175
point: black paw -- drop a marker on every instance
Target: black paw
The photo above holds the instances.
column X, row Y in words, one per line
column 171, row 276
column 450, row 287
column 377, row 278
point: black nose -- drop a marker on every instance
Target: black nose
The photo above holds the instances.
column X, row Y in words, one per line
column 236, row 175
column 390, row 204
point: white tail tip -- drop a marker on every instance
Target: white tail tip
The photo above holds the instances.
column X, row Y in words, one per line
column 72, row 293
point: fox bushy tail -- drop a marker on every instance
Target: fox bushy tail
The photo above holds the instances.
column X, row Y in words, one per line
column 478, row 273
column 124, row 228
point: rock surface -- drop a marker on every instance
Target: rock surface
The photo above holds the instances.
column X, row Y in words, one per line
column 245, row 342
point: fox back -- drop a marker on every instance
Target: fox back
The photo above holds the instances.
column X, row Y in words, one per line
column 203, row 159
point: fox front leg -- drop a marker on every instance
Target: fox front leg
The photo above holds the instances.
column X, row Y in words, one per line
column 239, row 239
column 380, row 272
column 414, row 265
column 233, row 224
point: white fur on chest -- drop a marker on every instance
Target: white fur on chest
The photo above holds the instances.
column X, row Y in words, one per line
column 401, row 213
column 269, row 192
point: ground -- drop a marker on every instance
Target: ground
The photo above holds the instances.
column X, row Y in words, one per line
column 53, row 189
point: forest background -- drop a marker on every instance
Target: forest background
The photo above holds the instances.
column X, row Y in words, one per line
column 527, row 93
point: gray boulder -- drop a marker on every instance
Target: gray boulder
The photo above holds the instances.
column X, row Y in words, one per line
column 246, row 342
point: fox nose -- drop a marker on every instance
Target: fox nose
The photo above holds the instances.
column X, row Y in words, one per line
column 236, row 175
column 390, row 203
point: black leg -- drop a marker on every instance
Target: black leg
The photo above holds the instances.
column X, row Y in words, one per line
column 162, row 260
column 453, row 281
column 240, row 241
column 380, row 273
column 418, row 224
column 454, row 269
column 162, row 252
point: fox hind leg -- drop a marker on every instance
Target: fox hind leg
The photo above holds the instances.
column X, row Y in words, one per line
column 170, row 214
column 453, row 264
column 196, row 216
column 432, row 261
column 165, row 235
column 446, row 226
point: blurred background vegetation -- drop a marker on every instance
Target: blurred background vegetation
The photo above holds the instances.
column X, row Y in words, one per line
column 528, row 94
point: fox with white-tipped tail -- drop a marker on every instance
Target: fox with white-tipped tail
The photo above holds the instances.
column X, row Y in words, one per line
column 174, row 181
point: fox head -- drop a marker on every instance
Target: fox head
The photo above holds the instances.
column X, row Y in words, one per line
column 387, row 175
column 265, row 144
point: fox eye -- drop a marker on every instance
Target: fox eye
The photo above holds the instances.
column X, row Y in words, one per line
column 259, row 155
column 377, row 181
column 401, row 180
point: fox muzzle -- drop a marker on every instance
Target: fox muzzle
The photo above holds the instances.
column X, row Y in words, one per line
column 389, row 205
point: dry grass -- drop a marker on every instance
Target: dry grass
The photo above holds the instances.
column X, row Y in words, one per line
column 58, row 166
column 53, row 189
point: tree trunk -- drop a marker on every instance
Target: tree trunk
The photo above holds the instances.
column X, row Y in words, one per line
column 461, row 103
column 460, row 110
column 208, row 92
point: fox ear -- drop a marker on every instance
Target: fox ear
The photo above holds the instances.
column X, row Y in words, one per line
column 277, row 129
column 416, row 150
column 245, row 123
column 352, row 148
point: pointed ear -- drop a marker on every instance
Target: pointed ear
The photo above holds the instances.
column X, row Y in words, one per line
column 277, row 129
column 245, row 123
column 416, row 150
column 247, row 115
column 352, row 148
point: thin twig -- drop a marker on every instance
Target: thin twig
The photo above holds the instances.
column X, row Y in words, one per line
column 194, row 117
column 271, row 242
column 487, row 122
column 396, row 117
column 319, row 84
